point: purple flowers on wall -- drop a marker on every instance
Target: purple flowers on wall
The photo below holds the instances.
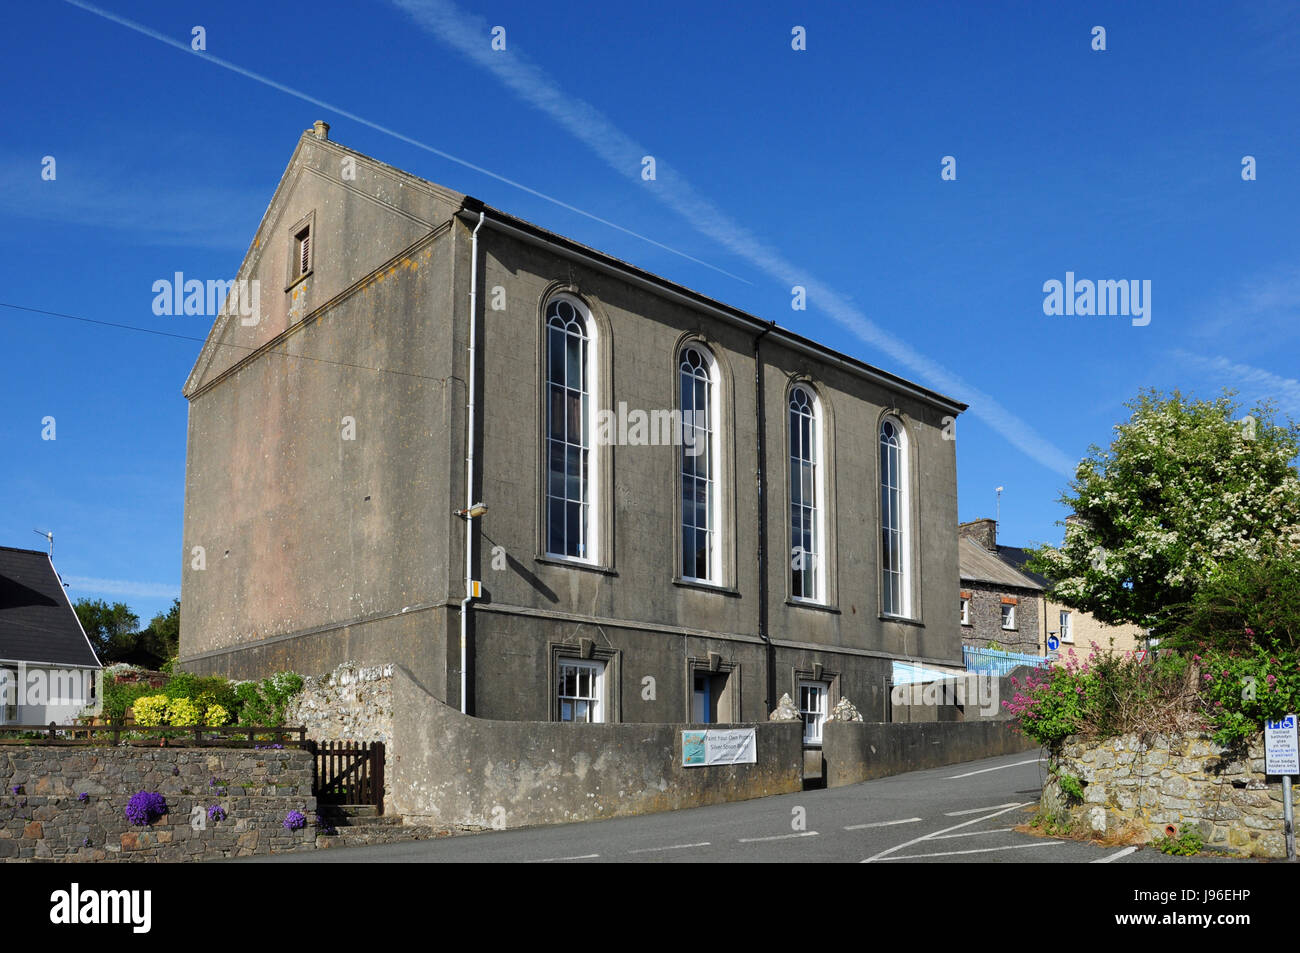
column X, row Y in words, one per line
column 145, row 807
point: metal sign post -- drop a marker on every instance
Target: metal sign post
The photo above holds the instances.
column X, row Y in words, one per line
column 1282, row 756
column 1289, row 819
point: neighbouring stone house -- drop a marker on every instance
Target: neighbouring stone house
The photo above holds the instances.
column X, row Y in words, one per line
column 549, row 484
column 1003, row 601
column 1000, row 604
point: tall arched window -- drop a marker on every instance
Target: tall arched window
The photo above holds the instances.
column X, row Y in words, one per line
column 807, row 537
column 571, row 470
column 895, row 543
column 701, row 548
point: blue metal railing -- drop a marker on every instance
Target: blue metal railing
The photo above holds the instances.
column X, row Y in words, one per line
column 997, row 662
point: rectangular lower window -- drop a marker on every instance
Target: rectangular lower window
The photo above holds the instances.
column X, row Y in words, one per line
column 813, row 698
column 1008, row 616
column 581, row 690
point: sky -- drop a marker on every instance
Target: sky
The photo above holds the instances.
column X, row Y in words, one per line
column 922, row 171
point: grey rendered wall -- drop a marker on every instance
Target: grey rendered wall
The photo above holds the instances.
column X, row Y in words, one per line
column 641, row 333
column 318, row 548
column 860, row 751
column 450, row 769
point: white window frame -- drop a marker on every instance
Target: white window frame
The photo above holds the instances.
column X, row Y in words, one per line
column 901, row 526
column 595, row 699
column 965, row 612
column 714, row 481
column 1008, row 617
column 1067, row 626
column 814, row 718
column 589, row 544
column 9, row 709
column 813, row 559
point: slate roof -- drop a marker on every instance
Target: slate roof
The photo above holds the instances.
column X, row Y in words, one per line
column 1017, row 557
column 977, row 564
column 37, row 622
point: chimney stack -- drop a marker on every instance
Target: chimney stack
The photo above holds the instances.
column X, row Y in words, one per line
column 321, row 128
column 983, row 531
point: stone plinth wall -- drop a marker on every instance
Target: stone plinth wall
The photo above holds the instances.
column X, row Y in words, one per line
column 860, row 751
column 1181, row 780
column 47, row 819
column 453, row 770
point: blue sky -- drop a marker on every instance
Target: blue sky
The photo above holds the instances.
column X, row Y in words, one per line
column 775, row 167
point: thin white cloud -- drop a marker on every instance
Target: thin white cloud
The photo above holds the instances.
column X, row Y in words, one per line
column 1253, row 382
column 204, row 218
column 123, row 587
column 471, row 35
column 305, row 97
column 1263, row 310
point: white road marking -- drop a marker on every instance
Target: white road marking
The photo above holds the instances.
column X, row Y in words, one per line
column 976, row 810
column 946, row 830
column 996, row 830
column 1115, row 856
column 755, row 840
column 981, row 850
column 650, row 850
column 858, row 827
column 1000, row 767
column 551, row 860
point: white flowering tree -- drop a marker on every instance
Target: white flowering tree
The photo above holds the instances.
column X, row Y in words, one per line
column 1185, row 488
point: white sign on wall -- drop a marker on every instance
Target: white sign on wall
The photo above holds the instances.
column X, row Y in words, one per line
column 719, row 746
column 1281, row 753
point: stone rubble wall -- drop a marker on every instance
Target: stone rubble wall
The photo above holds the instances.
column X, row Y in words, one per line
column 45, row 819
column 1181, row 781
column 351, row 703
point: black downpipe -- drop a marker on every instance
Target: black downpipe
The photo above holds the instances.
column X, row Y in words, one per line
column 760, row 421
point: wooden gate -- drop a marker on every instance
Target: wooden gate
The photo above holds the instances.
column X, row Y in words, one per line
column 349, row 772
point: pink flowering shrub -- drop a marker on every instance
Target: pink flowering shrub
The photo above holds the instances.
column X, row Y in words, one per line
column 1107, row 694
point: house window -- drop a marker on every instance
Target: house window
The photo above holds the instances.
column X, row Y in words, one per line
column 570, row 468
column 1008, row 616
column 806, row 494
column 965, row 612
column 581, row 690
column 813, row 697
column 701, row 545
column 1067, row 633
column 302, row 251
column 895, row 543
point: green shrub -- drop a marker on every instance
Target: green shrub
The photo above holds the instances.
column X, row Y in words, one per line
column 183, row 711
column 150, row 710
column 119, row 697
column 1242, row 689
column 263, row 703
column 1186, row 844
column 1071, row 787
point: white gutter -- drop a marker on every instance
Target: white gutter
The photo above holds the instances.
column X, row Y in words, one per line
column 469, row 464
